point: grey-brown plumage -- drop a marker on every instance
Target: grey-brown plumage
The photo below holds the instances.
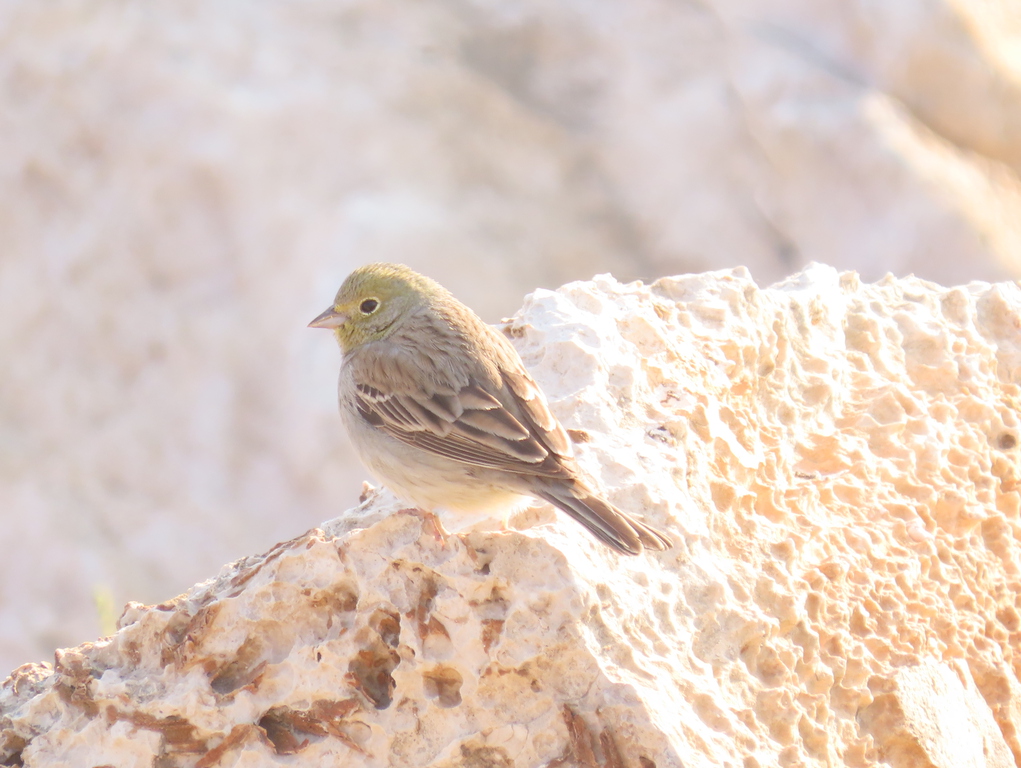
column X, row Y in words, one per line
column 444, row 413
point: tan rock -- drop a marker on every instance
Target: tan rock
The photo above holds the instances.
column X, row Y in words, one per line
column 837, row 463
column 932, row 714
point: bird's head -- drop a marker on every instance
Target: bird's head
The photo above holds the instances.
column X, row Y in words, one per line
column 372, row 302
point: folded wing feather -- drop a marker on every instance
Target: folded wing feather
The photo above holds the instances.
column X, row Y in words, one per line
column 470, row 424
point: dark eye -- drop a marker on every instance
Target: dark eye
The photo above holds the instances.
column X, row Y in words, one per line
column 368, row 306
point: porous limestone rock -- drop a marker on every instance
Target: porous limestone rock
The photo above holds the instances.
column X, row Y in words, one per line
column 837, row 463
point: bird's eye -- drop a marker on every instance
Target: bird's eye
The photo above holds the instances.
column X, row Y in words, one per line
column 369, row 306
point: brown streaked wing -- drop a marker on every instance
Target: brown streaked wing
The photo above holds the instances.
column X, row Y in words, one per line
column 464, row 420
column 497, row 421
column 524, row 457
column 544, row 424
column 462, row 441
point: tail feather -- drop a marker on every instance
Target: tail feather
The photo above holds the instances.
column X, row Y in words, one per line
column 606, row 522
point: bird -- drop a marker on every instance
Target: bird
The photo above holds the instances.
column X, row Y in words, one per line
column 442, row 411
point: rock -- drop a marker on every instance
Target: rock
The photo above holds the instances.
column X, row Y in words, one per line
column 837, row 463
column 932, row 714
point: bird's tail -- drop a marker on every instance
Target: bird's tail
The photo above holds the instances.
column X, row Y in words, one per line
column 605, row 521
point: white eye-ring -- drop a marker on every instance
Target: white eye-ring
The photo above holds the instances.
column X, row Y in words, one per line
column 369, row 306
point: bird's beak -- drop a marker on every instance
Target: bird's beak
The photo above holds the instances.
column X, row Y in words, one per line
column 331, row 318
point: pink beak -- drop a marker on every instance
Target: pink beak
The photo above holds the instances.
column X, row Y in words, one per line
column 331, row 318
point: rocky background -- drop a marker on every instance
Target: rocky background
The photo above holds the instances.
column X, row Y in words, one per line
column 183, row 185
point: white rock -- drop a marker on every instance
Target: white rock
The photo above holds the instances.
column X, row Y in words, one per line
column 837, row 464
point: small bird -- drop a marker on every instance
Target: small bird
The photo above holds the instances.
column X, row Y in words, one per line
column 441, row 409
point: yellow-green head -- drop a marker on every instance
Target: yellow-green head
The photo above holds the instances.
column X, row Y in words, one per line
column 373, row 300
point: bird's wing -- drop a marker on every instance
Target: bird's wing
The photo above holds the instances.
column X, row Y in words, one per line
column 495, row 417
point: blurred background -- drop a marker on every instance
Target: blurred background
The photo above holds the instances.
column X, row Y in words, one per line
column 183, row 186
